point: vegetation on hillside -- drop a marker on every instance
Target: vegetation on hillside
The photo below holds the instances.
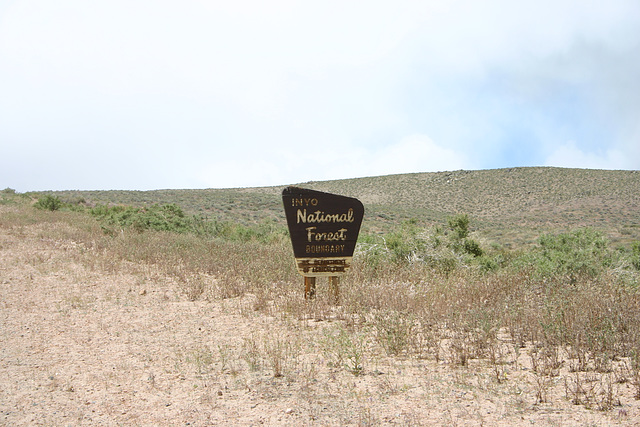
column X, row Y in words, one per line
column 509, row 206
column 417, row 289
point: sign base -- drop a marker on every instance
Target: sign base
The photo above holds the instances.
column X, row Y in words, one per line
column 310, row 288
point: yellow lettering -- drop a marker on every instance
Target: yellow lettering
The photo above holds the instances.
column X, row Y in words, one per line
column 327, row 236
column 324, row 249
column 320, row 216
column 304, row 202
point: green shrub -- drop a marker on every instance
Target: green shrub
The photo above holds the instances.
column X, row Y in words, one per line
column 488, row 264
column 156, row 217
column 8, row 196
column 635, row 255
column 266, row 231
column 583, row 252
column 433, row 246
column 345, row 349
column 405, row 242
column 48, row 203
column 459, row 240
column 459, row 224
column 472, row 248
column 170, row 217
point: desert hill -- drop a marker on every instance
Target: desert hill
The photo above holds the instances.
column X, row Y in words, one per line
column 510, row 206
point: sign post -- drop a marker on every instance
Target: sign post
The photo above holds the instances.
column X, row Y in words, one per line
column 324, row 230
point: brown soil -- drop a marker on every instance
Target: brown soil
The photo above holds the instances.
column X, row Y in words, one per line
column 87, row 342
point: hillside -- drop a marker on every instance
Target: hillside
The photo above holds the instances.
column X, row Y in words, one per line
column 510, row 206
column 135, row 326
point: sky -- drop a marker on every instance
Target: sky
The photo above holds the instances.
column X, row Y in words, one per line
column 142, row 95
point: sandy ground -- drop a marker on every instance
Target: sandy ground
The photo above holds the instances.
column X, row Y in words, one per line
column 86, row 342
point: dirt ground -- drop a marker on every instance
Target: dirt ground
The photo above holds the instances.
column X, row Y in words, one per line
column 84, row 341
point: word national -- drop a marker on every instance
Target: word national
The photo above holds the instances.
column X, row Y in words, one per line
column 320, row 216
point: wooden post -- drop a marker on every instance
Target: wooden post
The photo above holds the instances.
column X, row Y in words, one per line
column 333, row 289
column 309, row 287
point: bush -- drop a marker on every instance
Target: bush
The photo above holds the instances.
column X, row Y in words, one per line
column 635, row 255
column 171, row 218
column 157, row 217
column 583, row 252
column 433, row 247
column 459, row 240
column 459, row 224
column 472, row 248
column 265, row 232
column 48, row 203
column 406, row 242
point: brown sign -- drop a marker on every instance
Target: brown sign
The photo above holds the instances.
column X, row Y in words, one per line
column 324, row 229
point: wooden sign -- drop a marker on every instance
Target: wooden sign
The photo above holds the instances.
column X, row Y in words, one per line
column 324, row 229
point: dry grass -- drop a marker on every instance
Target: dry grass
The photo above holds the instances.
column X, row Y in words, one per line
column 162, row 329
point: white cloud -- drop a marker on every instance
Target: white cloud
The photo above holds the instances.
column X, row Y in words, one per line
column 571, row 156
column 250, row 92
column 331, row 160
column 415, row 153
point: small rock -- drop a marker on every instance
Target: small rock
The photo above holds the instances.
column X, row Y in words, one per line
column 289, row 411
column 143, row 292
